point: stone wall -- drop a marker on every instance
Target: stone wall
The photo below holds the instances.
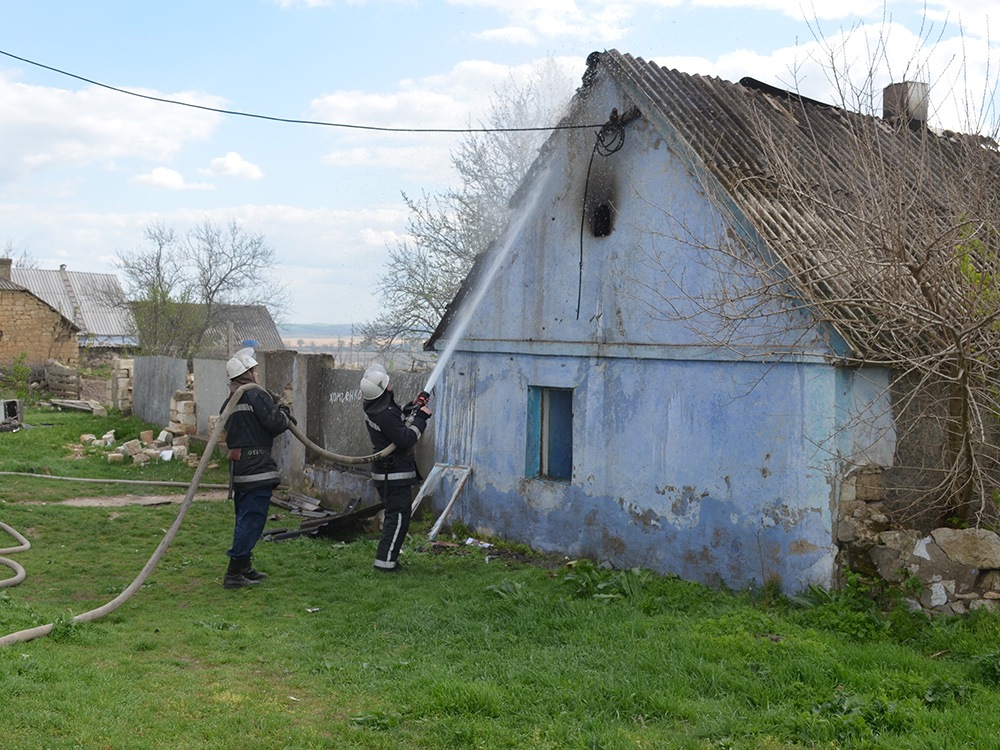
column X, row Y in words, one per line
column 119, row 394
column 944, row 571
column 31, row 327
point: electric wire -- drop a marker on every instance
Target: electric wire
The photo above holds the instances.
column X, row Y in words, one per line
column 290, row 120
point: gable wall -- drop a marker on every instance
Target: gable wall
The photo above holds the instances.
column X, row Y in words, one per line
column 29, row 326
column 647, row 283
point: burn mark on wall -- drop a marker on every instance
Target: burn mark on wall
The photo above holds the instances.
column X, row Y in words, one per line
column 601, row 199
column 600, row 187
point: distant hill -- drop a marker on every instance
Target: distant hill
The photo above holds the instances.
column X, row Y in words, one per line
column 317, row 330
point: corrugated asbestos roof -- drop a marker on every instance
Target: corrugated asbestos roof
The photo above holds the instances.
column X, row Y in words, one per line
column 805, row 177
column 91, row 300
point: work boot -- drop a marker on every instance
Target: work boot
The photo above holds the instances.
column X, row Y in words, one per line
column 249, row 572
column 236, row 577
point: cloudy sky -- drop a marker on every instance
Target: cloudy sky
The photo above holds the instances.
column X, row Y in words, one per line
column 84, row 170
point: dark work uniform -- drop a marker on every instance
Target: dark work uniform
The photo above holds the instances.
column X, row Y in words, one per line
column 250, row 432
column 395, row 474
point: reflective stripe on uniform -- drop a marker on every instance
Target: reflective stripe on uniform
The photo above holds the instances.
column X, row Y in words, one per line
column 263, row 476
column 243, row 407
column 394, row 476
column 392, row 544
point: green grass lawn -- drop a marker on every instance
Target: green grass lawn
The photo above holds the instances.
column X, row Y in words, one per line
column 467, row 648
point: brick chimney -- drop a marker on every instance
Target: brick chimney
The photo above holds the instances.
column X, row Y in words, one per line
column 5, row 264
column 906, row 102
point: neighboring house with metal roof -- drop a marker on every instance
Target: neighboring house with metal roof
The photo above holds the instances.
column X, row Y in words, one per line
column 671, row 358
column 31, row 327
column 93, row 301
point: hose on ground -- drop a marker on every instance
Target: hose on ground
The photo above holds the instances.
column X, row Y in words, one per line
column 22, row 545
column 143, row 482
column 94, row 614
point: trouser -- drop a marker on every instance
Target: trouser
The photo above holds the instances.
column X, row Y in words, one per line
column 251, row 508
column 397, row 500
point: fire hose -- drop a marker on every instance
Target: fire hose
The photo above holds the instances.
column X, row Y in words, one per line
column 168, row 537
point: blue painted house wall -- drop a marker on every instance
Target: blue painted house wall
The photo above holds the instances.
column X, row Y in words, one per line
column 720, row 463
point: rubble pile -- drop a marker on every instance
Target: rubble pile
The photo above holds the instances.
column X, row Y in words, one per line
column 165, row 447
column 947, row 571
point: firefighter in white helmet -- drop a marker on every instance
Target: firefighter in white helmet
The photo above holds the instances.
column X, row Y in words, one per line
column 253, row 473
column 394, row 475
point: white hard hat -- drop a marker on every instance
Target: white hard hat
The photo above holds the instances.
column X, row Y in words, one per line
column 241, row 362
column 374, row 382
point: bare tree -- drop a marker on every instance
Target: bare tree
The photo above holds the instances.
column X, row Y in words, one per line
column 177, row 285
column 447, row 231
column 19, row 255
column 889, row 232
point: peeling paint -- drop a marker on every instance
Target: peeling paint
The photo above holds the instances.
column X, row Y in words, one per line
column 643, row 516
column 802, row 547
column 613, row 546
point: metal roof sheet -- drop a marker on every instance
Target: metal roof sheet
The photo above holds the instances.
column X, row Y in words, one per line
column 91, row 300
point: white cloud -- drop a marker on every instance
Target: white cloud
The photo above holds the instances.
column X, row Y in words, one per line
column 956, row 68
column 59, row 127
column 330, row 258
column 510, row 35
column 535, row 20
column 414, row 161
column 804, row 10
column 168, row 179
column 453, row 100
column 233, row 165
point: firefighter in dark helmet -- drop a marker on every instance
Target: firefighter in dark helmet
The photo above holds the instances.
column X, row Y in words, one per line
column 394, row 475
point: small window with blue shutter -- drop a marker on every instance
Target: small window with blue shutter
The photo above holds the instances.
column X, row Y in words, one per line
column 550, row 433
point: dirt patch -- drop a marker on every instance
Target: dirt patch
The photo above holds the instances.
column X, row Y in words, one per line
column 497, row 552
column 121, row 500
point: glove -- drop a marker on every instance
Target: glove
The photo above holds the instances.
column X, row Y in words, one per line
column 284, row 398
column 283, row 408
column 420, row 402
